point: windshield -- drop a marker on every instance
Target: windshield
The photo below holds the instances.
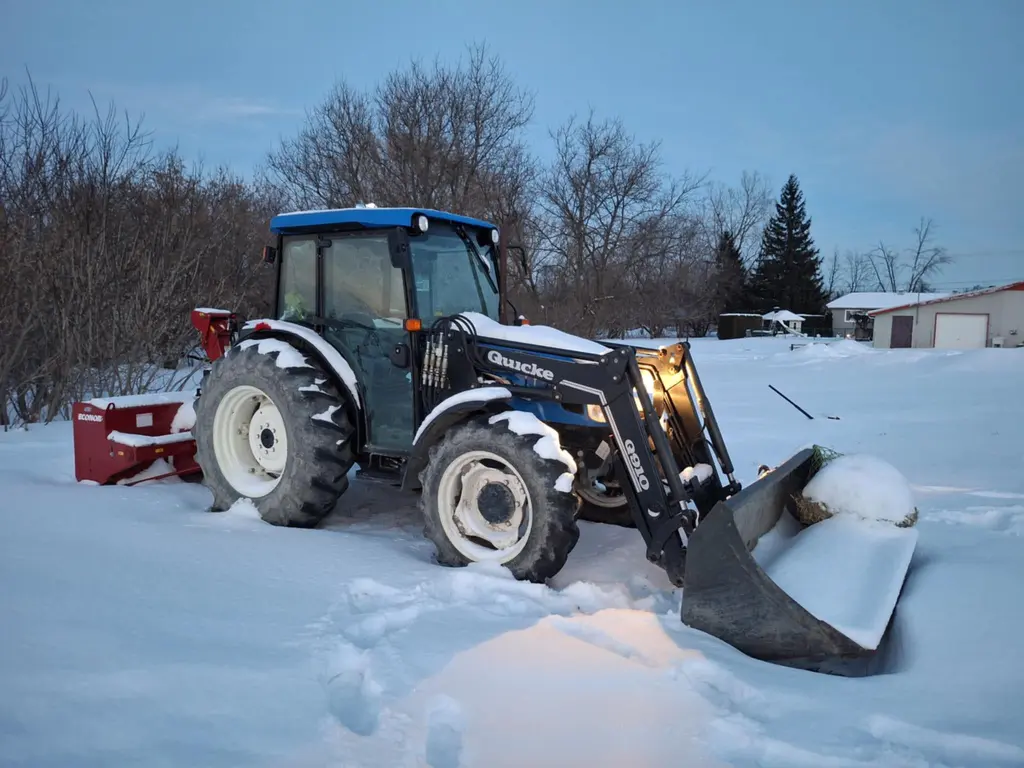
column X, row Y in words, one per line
column 452, row 275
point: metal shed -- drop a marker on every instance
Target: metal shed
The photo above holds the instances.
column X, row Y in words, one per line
column 993, row 317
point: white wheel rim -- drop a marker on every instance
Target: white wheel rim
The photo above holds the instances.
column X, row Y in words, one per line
column 250, row 441
column 466, row 526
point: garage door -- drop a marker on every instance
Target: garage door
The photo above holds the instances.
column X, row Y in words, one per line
column 960, row 331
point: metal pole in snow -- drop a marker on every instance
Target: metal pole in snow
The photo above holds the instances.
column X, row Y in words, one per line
column 805, row 413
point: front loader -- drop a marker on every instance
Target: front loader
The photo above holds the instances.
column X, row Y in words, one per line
column 385, row 351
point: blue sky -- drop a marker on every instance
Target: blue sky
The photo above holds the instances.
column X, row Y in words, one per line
column 886, row 110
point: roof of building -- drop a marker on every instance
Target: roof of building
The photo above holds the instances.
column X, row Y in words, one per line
column 369, row 217
column 783, row 316
column 880, row 300
column 1017, row 286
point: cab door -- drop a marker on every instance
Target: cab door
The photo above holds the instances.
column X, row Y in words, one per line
column 364, row 310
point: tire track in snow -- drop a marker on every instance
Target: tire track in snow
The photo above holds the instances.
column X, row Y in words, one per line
column 745, row 716
column 1008, row 520
column 743, row 732
column 942, row 748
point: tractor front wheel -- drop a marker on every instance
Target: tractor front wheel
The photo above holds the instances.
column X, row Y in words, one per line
column 274, row 430
column 488, row 496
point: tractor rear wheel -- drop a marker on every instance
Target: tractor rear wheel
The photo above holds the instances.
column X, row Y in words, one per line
column 274, row 431
column 488, row 496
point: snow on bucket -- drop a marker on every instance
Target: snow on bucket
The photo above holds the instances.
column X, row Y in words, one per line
column 856, row 484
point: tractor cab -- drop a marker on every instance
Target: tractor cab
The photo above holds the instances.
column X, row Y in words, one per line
column 365, row 279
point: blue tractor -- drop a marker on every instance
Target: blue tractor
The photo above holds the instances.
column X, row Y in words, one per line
column 385, row 351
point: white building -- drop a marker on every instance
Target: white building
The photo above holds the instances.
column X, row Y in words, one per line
column 846, row 309
column 993, row 317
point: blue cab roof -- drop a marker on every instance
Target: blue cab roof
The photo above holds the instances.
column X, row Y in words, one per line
column 371, row 218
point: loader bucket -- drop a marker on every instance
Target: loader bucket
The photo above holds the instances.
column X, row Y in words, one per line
column 730, row 596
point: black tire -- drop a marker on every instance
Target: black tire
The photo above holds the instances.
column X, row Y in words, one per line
column 619, row 515
column 610, row 509
column 320, row 451
column 554, row 532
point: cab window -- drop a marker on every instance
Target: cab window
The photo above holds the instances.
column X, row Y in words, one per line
column 361, row 283
column 297, row 289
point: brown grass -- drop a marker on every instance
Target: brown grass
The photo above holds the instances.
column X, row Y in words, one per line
column 810, row 512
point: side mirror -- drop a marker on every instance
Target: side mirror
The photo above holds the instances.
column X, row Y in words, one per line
column 269, row 254
column 519, row 318
column 398, row 245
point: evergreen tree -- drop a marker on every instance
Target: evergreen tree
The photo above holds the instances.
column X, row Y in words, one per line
column 730, row 276
column 788, row 273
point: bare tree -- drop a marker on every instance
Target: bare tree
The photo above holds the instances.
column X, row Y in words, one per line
column 833, row 275
column 850, row 273
column 924, row 259
column 603, row 205
column 857, row 268
column 448, row 137
column 105, row 248
column 741, row 211
column 911, row 270
column 669, row 277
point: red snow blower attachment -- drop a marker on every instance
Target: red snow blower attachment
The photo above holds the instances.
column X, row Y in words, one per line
column 117, row 439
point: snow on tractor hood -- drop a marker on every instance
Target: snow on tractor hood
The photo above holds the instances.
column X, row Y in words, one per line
column 536, row 335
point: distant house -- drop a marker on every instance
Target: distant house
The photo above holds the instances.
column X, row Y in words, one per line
column 993, row 317
column 851, row 313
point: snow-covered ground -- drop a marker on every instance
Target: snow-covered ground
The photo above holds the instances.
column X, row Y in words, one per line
column 138, row 629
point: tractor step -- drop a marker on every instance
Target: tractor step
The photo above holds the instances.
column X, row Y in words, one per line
column 381, row 469
column 382, row 476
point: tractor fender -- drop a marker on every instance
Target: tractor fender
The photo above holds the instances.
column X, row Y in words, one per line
column 450, row 411
column 313, row 343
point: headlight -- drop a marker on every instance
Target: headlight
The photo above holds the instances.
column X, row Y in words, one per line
column 648, row 379
column 594, row 412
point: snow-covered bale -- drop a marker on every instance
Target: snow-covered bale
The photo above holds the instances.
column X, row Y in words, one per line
column 859, row 485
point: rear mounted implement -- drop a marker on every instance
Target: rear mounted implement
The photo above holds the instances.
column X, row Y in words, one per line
column 117, row 438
